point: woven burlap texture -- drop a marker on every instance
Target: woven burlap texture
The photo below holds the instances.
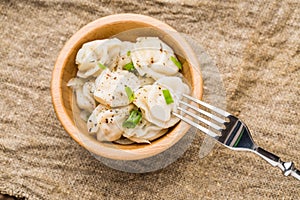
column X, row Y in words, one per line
column 255, row 45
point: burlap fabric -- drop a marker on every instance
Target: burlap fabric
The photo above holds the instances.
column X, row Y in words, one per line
column 256, row 46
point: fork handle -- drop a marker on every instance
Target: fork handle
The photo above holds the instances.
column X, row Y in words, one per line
column 288, row 168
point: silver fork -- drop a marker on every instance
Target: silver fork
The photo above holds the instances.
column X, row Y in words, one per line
column 233, row 133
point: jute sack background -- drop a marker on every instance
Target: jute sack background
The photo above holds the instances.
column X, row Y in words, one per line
column 256, row 46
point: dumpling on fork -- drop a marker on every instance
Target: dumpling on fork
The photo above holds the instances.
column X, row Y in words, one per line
column 151, row 99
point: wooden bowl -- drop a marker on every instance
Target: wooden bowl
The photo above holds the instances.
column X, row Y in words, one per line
column 125, row 27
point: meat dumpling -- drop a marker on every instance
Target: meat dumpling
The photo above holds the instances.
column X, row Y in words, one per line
column 106, row 123
column 175, row 84
column 152, row 58
column 84, row 93
column 144, row 132
column 110, row 88
column 95, row 53
column 151, row 101
column 124, row 57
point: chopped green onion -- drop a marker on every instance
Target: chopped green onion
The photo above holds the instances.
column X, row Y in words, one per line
column 176, row 62
column 128, row 53
column 134, row 118
column 101, row 66
column 129, row 93
column 129, row 66
column 167, row 96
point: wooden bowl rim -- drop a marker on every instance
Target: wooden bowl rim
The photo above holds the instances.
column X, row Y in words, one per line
column 68, row 124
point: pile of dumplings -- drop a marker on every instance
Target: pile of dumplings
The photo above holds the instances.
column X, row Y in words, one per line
column 102, row 82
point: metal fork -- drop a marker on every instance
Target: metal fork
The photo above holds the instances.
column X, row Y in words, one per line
column 233, row 133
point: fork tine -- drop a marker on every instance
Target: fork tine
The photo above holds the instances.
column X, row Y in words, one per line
column 201, row 128
column 213, row 108
column 216, row 127
column 218, row 119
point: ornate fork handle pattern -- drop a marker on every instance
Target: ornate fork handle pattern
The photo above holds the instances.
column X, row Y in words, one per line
column 288, row 168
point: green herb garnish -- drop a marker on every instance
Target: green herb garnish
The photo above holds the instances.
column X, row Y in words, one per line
column 134, row 118
column 101, row 66
column 129, row 93
column 129, row 66
column 176, row 62
column 128, row 53
column 167, row 96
